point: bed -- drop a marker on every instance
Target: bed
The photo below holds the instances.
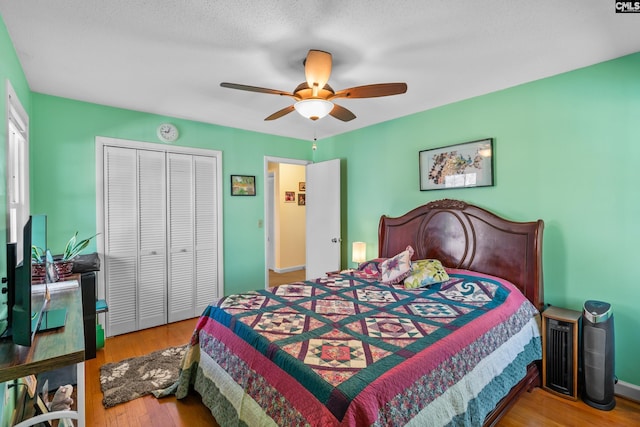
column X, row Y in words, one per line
column 349, row 350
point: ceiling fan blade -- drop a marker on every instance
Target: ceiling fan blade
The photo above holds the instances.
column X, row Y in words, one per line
column 342, row 113
column 372, row 91
column 256, row 89
column 317, row 69
column 280, row 113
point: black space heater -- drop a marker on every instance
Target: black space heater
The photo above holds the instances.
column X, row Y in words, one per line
column 598, row 355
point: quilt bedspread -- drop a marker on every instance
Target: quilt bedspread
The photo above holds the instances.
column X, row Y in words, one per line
column 347, row 350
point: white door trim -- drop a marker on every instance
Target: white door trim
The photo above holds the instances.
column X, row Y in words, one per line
column 101, row 142
column 17, row 115
column 269, row 195
column 267, row 214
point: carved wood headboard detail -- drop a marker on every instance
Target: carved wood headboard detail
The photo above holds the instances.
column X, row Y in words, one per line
column 465, row 236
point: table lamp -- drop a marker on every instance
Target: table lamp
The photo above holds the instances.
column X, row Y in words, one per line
column 358, row 252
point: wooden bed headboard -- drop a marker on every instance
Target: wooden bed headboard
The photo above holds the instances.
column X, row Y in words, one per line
column 465, row 236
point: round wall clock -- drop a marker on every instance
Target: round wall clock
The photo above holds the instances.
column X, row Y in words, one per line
column 167, row 132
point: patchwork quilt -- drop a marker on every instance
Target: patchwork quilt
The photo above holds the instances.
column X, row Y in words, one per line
column 346, row 350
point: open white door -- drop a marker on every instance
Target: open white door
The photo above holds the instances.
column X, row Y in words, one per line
column 271, row 250
column 323, row 218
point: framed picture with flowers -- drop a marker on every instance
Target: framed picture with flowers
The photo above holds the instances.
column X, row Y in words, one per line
column 465, row 165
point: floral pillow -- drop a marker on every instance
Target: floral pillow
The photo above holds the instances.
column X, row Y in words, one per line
column 395, row 269
column 372, row 267
column 425, row 272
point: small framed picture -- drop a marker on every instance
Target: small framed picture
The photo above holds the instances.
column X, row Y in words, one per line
column 243, row 185
column 302, row 186
column 301, row 199
column 31, row 383
column 289, row 196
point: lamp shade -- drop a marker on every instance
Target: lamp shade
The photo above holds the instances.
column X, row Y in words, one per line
column 359, row 252
column 313, row 108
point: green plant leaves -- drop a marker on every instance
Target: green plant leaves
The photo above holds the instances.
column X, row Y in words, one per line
column 37, row 255
column 73, row 247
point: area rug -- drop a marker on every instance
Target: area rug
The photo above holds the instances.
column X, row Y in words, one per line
column 135, row 377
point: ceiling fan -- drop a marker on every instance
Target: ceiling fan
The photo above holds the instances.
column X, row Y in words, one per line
column 314, row 98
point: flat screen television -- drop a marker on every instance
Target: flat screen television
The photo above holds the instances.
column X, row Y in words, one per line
column 23, row 318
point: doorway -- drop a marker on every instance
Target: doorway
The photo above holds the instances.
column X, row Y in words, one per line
column 285, row 225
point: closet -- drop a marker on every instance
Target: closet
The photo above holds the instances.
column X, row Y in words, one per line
column 162, row 245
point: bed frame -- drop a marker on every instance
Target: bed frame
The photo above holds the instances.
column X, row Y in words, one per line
column 465, row 236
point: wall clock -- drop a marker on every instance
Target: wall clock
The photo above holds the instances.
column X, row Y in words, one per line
column 167, row 132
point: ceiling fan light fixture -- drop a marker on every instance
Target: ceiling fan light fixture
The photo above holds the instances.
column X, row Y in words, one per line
column 314, row 108
column 314, row 93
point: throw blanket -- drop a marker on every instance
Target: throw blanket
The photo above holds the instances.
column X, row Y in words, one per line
column 347, row 350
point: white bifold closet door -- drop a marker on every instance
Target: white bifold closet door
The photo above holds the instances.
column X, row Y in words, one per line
column 121, row 239
column 192, row 234
column 152, row 239
column 181, row 236
column 161, row 236
column 206, row 232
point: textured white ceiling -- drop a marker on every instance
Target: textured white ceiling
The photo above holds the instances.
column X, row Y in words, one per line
column 169, row 56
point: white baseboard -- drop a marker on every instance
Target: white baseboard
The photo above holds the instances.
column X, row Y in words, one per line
column 288, row 269
column 627, row 390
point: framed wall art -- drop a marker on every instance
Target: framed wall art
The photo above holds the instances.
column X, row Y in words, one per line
column 243, row 185
column 31, row 382
column 302, row 200
column 469, row 164
column 289, row 196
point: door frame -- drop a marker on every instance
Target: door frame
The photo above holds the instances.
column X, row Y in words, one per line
column 17, row 117
column 267, row 214
column 100, row 143
column 269, row 195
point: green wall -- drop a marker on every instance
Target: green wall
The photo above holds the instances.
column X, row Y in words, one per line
column 10, row 70
column 63, row 174
column 566, row 151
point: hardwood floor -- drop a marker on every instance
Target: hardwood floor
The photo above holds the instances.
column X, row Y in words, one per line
column 146, row 411
column 538, row 408
column 541, row 408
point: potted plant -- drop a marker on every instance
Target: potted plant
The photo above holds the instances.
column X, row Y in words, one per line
column 38, row 268
column 64, row 266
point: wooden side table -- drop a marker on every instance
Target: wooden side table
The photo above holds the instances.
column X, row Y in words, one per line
column 51, row 350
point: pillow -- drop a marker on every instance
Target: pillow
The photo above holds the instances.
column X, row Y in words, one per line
column 372, row 266
column 395, row 269
column 425, row 272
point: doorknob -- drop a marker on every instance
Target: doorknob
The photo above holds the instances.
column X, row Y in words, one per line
column 336, row 240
